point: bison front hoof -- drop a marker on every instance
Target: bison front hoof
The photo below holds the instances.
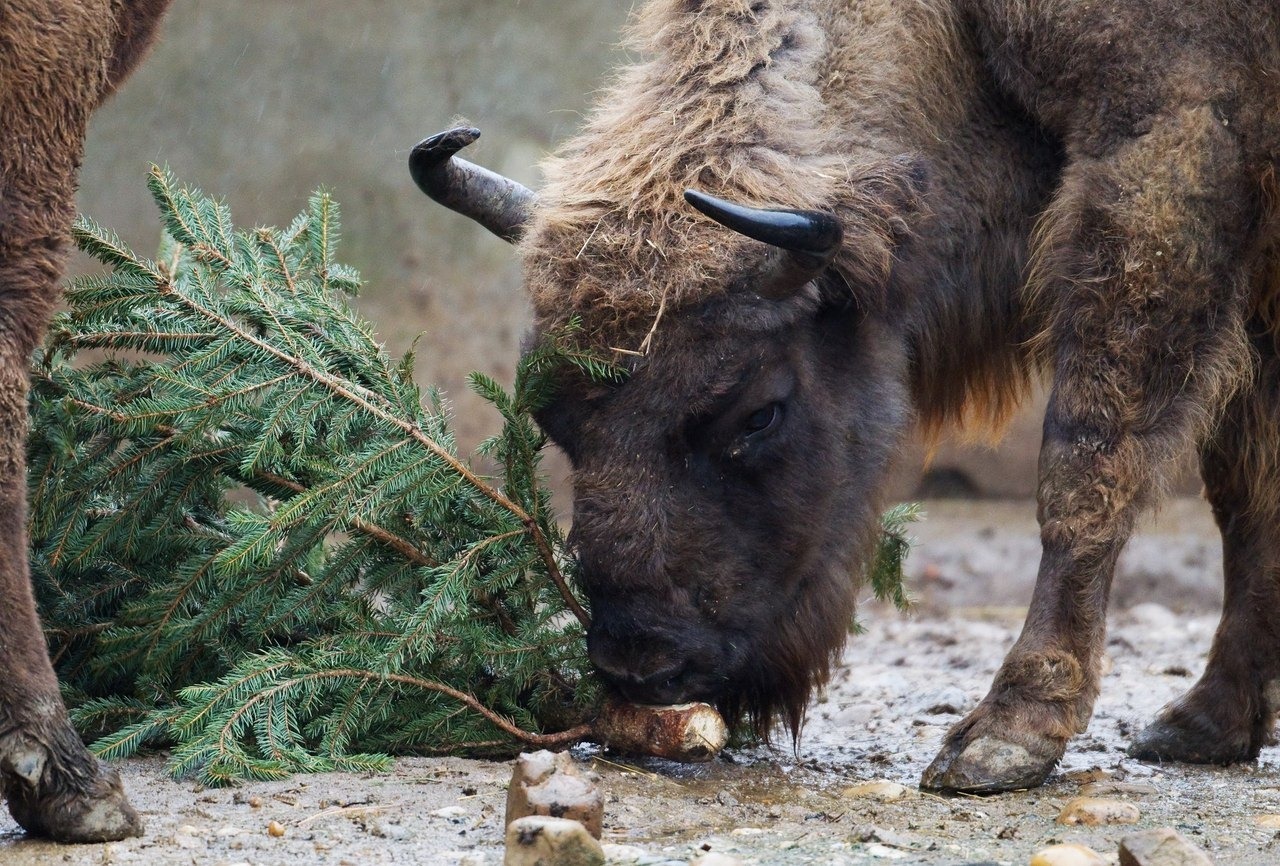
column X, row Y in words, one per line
column 91, row 807
column 1188, row 743
column 990, row 765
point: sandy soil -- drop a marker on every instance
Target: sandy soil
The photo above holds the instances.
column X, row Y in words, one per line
column 901, row 685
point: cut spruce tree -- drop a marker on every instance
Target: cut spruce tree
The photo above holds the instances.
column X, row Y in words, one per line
column 253, row 538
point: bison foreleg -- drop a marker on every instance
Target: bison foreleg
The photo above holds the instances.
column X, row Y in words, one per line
column 1143, row 287
column 1229, row 714
column 54, row 787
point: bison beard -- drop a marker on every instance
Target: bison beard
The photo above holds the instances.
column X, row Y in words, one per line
column 1020, row 188
column 59, row 62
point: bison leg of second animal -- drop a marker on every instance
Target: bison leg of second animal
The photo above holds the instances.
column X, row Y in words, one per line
column 1229, row 715
column 1144, row 293
column 54, row 786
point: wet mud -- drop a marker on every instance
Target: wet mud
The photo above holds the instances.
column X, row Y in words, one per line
column 902, row 684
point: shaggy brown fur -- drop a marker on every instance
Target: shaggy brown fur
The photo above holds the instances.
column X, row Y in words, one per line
column 58, row 61
column 1024, row 185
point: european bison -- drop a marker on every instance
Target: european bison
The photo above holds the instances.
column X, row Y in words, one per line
column 901, row 213
column 58, row 61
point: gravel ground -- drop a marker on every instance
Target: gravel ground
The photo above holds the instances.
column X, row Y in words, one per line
column 901, row 685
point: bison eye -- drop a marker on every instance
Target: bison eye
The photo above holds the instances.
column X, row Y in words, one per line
column 762, row 419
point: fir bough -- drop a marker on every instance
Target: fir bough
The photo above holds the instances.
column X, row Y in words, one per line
column 253, row 539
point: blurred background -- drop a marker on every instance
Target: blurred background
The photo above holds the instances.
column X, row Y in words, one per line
column 260, row 103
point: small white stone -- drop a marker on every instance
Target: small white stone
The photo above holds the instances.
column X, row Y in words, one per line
column 622, row 855
column 187, row 841
column 875, row 849
column 450, row 812
column 880, row 789
column 715, row 858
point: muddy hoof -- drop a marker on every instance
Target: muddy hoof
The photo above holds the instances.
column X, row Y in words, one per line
column 989, row 765
column 88, row 809
column 1166, row 740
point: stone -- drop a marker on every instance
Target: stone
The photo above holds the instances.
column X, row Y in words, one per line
column 1108, row 788
column 1086, row 777
column 187, row 841
column 552, row 784
column 622, row 855
column 1162, row 846
column 451, row 813
column 1270, row 822
column 539, row 840
column 715, row 858
column 1093, row 811
column 875, row 849
column 275, row 828
column 1067, row 855
column 880, row 789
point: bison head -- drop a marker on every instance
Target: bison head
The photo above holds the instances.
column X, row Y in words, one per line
column 725, row 493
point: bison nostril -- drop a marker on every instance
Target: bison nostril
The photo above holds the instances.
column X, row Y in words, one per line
column 664, row 686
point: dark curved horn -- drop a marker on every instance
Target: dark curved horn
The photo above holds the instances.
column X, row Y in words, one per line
column 498, row 203
column 808, row 240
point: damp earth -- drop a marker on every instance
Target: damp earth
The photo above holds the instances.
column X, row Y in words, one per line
column 902, row 683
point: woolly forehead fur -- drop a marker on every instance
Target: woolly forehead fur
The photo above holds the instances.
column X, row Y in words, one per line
column 727, row 102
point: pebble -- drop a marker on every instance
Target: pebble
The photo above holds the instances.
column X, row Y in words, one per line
column 715, row 858
column 385, row 829
column 1093, row 811
column 1067, row 855
column 1163, row 846
column 622, row 855
column 1271, row 822
column 552, row 784
column 881, row 789
column 1153, row 616
column 453, row 813
column 187, row 841
column 1098, row 789
column 539, row 840
column 875, row 849
column 275, row 828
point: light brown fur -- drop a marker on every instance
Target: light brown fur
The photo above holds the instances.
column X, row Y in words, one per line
column 1025, row 186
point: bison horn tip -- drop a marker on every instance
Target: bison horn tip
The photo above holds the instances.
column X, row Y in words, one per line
column 802, row 231
column 433, row 152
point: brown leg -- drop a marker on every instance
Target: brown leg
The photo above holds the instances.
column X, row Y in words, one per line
column 1229, row 715
column 54, row 787
column 53, row 70
column 1146, row 297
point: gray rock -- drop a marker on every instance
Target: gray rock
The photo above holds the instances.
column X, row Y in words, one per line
column 1163, row 846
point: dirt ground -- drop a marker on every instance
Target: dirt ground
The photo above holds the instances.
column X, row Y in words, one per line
column 902, row 684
